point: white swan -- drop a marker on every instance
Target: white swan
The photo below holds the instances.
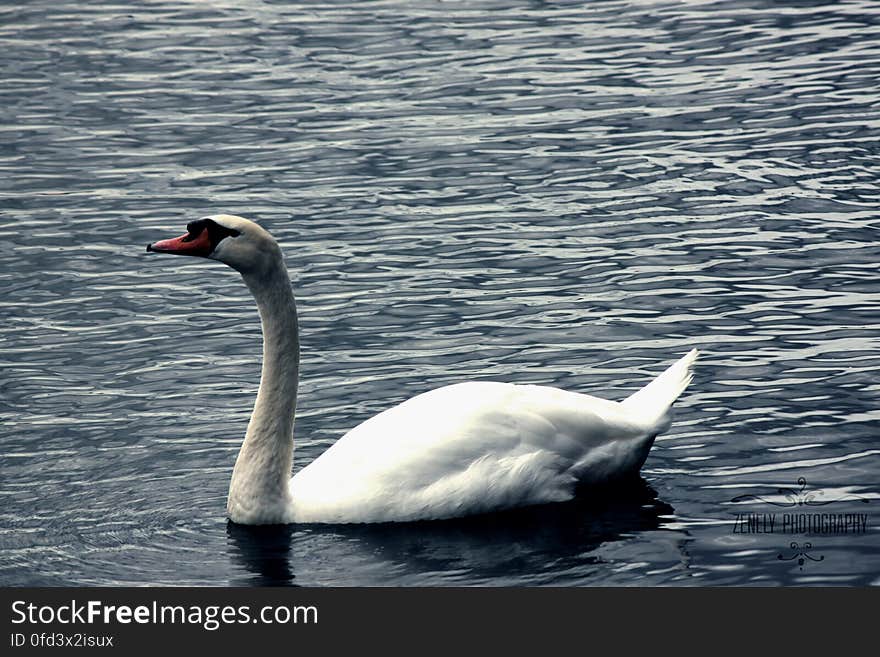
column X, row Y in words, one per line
column 457, row 450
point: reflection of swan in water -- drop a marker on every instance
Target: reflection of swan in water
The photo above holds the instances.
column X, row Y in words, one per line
column 459, row 450
column 263, row 550
column 553, row 543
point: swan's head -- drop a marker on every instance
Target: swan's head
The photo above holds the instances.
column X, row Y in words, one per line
column 235, row 241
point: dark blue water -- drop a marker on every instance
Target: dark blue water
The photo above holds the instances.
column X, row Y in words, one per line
column 571, row 194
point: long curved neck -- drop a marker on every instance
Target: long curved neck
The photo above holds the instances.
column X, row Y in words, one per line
column 258, row 491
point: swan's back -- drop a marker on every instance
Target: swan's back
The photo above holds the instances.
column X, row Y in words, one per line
column 469, row 448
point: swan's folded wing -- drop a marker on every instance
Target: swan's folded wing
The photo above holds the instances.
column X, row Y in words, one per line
column 462, row 449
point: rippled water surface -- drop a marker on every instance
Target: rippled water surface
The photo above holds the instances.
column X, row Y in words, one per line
column 561, row 193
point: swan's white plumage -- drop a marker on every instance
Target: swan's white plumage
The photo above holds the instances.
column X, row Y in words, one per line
column 457, row 450
column 470, row 448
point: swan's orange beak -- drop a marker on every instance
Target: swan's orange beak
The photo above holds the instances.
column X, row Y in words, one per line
column 189, row 244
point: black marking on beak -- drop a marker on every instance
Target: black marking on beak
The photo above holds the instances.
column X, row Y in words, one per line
column 216, row 232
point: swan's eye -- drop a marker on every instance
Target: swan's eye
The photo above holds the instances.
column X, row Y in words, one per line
column 216, row 232
column 194, row 228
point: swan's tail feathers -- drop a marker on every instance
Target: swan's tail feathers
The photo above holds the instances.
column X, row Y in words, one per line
column 653, row 401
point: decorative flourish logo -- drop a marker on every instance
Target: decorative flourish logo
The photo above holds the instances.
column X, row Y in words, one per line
column 800, row 553
column 800, row 519
column 800, row 497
